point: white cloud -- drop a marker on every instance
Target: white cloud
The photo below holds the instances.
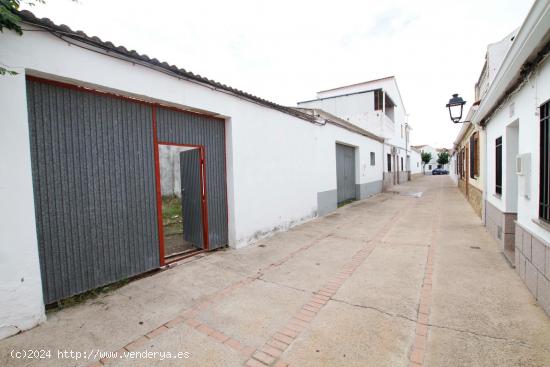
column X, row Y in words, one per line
column 286, row 50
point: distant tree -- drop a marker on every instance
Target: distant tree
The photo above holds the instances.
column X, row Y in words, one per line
column 443, row 158
column 426, row 158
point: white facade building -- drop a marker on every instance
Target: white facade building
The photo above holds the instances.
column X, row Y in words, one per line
column 278, row 165
column 377, row 107
column 415, row 161
column 515, row 114
column 433, row 162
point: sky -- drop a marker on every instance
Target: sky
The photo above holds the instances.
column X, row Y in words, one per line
column 285, row 51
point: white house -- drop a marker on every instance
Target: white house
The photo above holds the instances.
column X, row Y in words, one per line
column 432, row 164
column 415, row 161
column 375, row 106
column 515, row 115
column 469, row 145
column 82, row 131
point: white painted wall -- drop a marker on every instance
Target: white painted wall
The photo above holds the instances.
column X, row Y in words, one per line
column 433, row 162
column 272, row 182
column 170, row 175
column 276, row 163
column 356, row 104
column 327, row 137
column 493, row 59
column 21, row 305
column 416, row 162
column 358, row 109
column 526, row 103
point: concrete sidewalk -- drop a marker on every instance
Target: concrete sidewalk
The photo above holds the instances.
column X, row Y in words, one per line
column 400, row 279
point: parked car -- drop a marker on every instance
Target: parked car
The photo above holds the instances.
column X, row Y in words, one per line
column 440, row 171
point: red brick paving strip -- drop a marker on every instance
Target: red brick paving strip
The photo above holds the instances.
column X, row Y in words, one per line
column 418, row 348
column 280, row 340
column 301, row 319
column 189, row 315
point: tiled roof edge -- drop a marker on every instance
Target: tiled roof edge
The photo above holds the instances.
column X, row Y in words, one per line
column 28, row 17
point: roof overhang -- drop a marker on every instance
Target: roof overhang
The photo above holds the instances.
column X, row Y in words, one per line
column 530, row 46
column 107, row 48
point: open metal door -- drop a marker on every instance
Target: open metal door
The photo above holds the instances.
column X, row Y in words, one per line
column 192, row 197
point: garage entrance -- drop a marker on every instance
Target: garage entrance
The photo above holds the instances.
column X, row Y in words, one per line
column 345, row 173
column 97, row 185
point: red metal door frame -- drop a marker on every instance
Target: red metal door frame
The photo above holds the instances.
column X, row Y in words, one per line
column 154, row 107
column 204, row 200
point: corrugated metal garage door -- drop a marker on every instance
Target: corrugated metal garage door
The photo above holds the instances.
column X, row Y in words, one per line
column 345, row 172
column 94, row 184
column 185, row 128
column 93, row 160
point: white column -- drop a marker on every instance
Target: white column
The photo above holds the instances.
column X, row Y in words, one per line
column 21, row 302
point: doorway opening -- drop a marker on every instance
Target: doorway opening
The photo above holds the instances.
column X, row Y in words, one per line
column 182, row 200
column 511, row 146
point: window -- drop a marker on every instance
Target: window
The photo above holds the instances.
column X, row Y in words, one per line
column 389, row 162
column 544, row 186
column 430, row 166
column 498, row 166
column 472, row 156
column 401, row 163
column 372, row 159
column 464, row 152
column 476, row 152
column 378, row 100
column 461, row 163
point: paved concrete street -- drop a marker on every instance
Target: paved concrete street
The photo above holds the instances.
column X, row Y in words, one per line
column 395, row 280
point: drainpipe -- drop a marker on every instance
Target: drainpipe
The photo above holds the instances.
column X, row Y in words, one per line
column 407, row 160
column 484, row 176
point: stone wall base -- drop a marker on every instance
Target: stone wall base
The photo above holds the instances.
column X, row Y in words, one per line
column 502, row 228
column 474, row 196
column 395, row 178
column 533, row 265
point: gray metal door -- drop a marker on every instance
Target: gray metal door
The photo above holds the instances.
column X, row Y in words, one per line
column 93, row 166
column 345, row 172
column 209, row 132
column 94, row 188
column 192, row 196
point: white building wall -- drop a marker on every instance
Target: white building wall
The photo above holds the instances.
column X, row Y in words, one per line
column 525, row 105
column 496, row 53
column 21, row 305
column 433, row 161
column 276, row 163
column 356, row 105
column 326, row 158
column 358, row 109
column 416, row 162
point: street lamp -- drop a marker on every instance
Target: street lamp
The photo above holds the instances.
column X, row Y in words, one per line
column 455, row 106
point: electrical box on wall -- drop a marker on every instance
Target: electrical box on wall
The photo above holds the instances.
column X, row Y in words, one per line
column 523, row 170
column 519, row 165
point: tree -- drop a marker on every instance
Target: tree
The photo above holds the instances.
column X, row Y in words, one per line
column 443, row 158
column 10, row 20
column 426, row 158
